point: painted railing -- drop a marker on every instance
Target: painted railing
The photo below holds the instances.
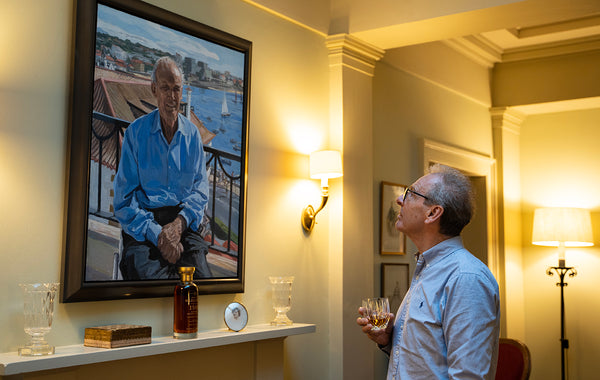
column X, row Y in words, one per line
column 224, row 185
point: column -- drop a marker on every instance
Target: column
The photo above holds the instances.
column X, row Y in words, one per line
column 351, row 68
column 506, row 126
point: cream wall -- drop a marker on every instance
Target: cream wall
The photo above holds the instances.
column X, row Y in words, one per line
column 573, row 76
column 559, row 167
column 412, row 103
column 289, row 117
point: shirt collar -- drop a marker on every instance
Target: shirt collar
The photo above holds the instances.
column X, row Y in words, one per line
column 442, row 249
column 181, row 125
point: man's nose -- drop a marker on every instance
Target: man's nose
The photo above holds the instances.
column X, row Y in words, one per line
column 400, row 200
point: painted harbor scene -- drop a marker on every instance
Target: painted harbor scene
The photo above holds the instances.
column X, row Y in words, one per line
column 213, row 99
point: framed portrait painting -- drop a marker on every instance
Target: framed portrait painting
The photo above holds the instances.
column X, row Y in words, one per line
column 392, row 241
column 117, row 46
column 394, row 283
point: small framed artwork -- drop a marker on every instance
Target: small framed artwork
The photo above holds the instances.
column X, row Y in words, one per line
column 392, row 241
column 394, row 284
column 236, row 316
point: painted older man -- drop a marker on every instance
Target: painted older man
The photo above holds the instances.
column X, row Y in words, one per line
column 448, row 324
column 161, row 187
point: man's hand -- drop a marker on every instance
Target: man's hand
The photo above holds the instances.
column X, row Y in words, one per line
column 169, row 240
column 381, row 337
column 170, row 252
column 173, row 231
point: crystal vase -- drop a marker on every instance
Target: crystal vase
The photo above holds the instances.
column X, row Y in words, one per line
column 38, row 308
column 282, row 299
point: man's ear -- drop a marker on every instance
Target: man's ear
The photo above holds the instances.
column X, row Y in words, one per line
column 153, row 88
column 434, row 214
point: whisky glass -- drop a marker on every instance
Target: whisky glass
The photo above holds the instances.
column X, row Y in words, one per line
column 38, row 308
column 282, row 299
column 377, row 311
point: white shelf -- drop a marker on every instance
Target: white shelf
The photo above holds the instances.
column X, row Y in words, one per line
column 66, row 356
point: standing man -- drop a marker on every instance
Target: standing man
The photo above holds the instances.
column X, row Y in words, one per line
column 448, row 324
column 161, row 188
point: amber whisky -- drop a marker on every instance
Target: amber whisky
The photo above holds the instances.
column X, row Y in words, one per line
column 185, row 305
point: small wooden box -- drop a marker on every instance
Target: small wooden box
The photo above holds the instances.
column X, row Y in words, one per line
column 113, row 336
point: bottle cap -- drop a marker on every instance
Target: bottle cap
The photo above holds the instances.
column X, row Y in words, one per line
column 187, row 270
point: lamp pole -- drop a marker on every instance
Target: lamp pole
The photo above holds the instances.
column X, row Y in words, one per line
column 561, row 227
column 562, row 271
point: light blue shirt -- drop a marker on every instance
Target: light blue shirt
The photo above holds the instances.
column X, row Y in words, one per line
column 448, row 324
column 153, row 173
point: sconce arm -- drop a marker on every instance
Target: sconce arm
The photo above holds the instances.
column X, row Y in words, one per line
column 323, row 203
column 309, row 214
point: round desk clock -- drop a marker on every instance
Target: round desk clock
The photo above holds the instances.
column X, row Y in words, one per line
column 236, row 316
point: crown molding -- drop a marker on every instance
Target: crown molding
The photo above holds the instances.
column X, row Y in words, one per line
column 484, row 52
column 352, row 52
column 552, row 49
column 284, row 17
column 507, row 119
column 556, row 27
column 477, row 48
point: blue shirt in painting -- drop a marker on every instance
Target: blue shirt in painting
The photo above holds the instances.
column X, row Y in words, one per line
column 153, row 173
column 448, row 324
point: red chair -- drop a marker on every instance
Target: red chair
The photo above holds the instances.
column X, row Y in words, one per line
column 514, row 361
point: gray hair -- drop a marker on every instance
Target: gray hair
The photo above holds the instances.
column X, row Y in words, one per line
column 165, row 61
column 454, row 192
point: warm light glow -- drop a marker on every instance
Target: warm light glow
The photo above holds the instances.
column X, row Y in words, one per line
column 555, row 225
column 304, row 138
column 326, row 164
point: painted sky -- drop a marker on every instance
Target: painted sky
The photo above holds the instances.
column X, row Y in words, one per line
column 153, row 35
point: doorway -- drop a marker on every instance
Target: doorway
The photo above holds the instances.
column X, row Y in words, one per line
column 475, row 233
column 481, row 235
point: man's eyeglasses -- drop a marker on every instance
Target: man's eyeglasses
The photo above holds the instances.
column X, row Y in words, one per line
column 409, row 190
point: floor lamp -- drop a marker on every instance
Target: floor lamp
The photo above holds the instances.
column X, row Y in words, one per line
column 562, row 227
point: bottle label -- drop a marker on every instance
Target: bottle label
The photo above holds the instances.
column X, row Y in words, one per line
column 192, row 313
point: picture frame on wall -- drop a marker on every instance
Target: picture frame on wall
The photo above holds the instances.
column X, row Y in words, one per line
column 116, row 46
column 394, row 283
column 392, row 241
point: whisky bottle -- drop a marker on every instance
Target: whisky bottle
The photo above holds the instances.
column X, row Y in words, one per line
column 185, row 306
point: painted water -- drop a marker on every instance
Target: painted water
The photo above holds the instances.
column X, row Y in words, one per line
column 207, row 105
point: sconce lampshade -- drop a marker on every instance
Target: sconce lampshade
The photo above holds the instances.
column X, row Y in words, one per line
column 555, row 225
column 325, row 164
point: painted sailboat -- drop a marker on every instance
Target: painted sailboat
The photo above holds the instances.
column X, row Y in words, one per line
column 224, row 109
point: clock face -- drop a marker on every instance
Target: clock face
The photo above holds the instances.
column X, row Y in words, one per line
column 236, row 316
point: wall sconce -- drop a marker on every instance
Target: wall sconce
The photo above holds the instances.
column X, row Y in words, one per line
column 562, row 227
column 324, row 164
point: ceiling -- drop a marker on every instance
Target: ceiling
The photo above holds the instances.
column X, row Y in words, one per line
column 544, row 40
column 534, row 41
column 488, row 32
column 584, row 33
column 568, row 30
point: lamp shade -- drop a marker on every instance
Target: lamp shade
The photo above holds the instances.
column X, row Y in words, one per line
column 555, row 225
column 326, row 164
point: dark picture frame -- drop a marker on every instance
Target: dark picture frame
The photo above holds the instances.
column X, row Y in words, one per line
column 394, row 283
column 216, row 67
column 391, row 241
